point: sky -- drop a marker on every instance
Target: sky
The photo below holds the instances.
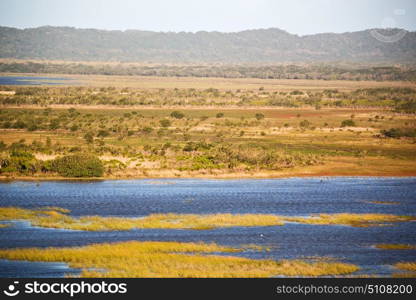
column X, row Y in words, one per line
column 300, row 17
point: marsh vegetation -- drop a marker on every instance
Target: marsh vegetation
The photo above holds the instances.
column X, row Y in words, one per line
column 171, row 259
column 51, row 217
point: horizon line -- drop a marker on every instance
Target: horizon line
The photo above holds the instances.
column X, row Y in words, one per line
column 205, row 31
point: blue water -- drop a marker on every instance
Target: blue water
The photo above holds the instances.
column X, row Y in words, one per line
column 293, row 196
column 32, row 80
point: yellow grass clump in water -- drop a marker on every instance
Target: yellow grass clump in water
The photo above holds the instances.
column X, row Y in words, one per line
column 356, row 220
column 51, row 217
column 383, row 202
column 406, row 266
column 409, row 267
column 4, row 225
column 171, row 259
column 396, row 246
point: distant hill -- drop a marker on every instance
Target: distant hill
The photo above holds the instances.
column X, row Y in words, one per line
column 257, row 46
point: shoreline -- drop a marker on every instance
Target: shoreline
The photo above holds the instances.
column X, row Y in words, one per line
column 231, row 177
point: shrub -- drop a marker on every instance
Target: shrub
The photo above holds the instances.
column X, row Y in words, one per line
column 89, row 138
column 347, row 123
column 304, row 124
column 19, row 161
column 399, row 132
column 177, row 114
column 54, row 124
column 220, row 115
column 165, row 123
column 74, row 127
column 259, row 116
column 78, row 165
column 103, row 133
column 32, row 127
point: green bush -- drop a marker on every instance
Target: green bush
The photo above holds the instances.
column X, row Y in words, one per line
column 78, row 165
column 103, row 133
column 304, row 124
column 259, row 116
column 399, row 132
column 348, row 123
column 177, row 114
column 20, row 162
column 89, row 138
column 165, row 123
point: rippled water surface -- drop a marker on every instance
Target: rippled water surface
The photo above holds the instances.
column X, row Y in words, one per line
column 293, row 196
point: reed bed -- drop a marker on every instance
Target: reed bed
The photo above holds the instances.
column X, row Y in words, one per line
column 172, row 259
column 51, row 217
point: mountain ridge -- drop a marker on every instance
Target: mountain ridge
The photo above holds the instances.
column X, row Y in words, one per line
column 271, row 45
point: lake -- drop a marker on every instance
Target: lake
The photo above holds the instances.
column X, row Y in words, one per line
column 290, row 197
column 34, row 80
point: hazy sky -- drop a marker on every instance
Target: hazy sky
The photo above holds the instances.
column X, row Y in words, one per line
column 296, row 16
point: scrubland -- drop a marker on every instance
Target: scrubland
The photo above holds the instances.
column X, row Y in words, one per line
column 267, row 131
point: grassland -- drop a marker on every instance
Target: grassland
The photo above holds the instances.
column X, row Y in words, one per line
column 51, row 217
column 172, row 259
column 211, row 127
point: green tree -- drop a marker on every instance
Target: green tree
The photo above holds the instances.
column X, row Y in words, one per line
column 78, row 165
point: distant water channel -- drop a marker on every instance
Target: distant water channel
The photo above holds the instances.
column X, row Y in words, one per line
column 34, row 80
column 292, row 196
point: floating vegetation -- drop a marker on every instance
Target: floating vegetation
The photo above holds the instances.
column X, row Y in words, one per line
column 51, row 217
column 172, row 259
column 5, row 225
column 396, row 247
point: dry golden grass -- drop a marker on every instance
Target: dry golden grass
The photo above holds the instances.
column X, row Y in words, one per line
column 406, row 266
column 404, row 275
column 395, row 247
column 4, row 225
column 171, row 259
column 51, row 217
